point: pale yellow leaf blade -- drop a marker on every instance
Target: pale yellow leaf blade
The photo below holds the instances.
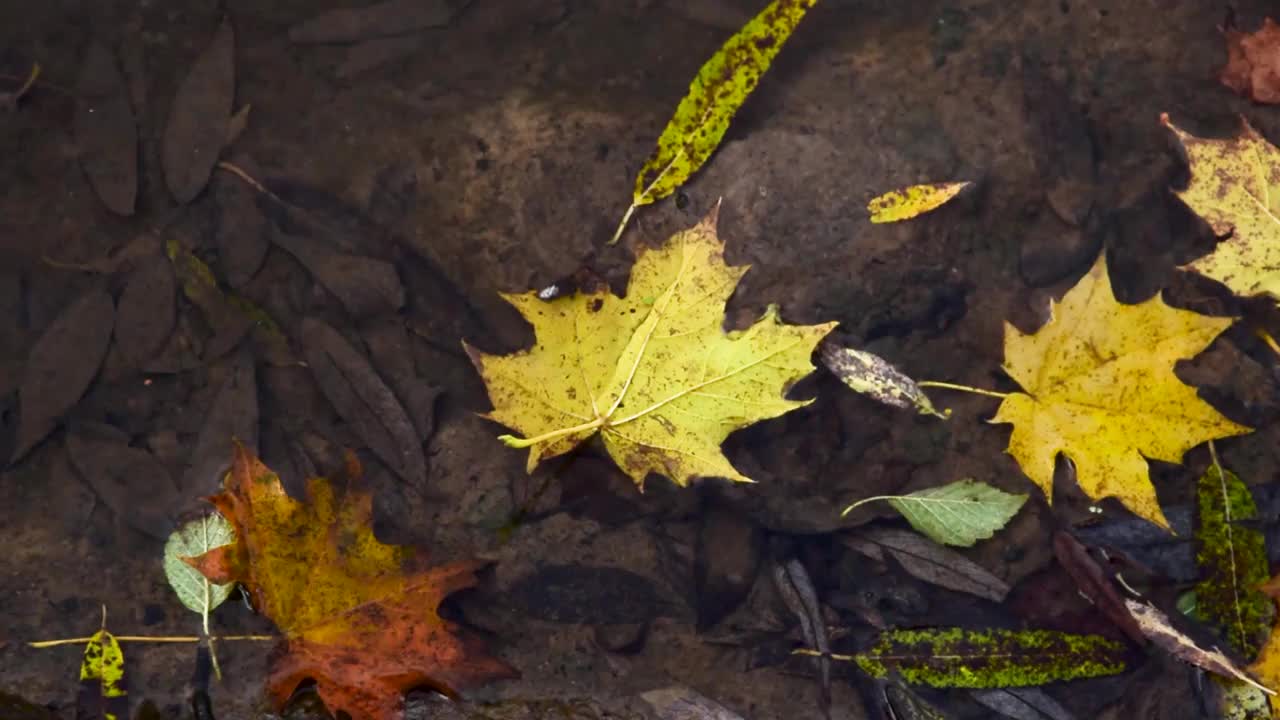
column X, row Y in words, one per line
column 1235, row 187
column 912, row 201
column 1099, row 387
column 653, row 371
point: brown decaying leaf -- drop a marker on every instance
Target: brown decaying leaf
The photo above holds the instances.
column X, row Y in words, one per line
column 365, row 286
column 129, row 480
column 1094, row 584
column 394, row 17
column 1253, row 62
column 1157, row 627
column 106, row 134
column 241, row 232
column 147, row 311
column 359, row 617
column 196, row 130
column 61, row 365
column 232, row 418
column 924, row 559
column 359, row 395
column 678, row 702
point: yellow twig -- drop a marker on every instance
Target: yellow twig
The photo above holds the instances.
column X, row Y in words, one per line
column 1266, row 338
column 622, row 225
column 963, row 388
column 151, row 638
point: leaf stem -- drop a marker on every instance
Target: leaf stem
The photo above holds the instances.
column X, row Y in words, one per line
column 518, row 442
column 963, row 388
column 150, row 638
column 864, row 501
column 626, row 217
column 833, row 656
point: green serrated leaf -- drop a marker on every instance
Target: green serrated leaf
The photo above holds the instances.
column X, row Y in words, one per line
column 192, row 540
column 957, row 657
column 1233, row 562
column 959, row 513
column 723, row 83
column 102, row 692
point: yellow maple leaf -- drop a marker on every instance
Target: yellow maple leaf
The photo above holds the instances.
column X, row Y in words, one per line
column 1266, row 667
column 1099, row 388
column 1233, row 186
column 654, row 371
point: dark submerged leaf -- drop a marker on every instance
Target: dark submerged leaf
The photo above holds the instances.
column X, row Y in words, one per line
column 930, row 562
column 196, row 130
column 394, row 17
column 106, row 134
column 129, row 480
column 233, row 416
column 61, row 365
column 241, row 235
column 147, row 311
column 365, row 286
column 359, row 395
column 1023, row 704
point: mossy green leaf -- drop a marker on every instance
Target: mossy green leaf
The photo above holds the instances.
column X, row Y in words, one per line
column 102, row 692
column 191, row 540
column 959, row 513
column 1233, row 562
column 721, row 86
column 958, row 657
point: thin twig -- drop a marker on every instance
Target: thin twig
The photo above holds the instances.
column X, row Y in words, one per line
column 151, row 638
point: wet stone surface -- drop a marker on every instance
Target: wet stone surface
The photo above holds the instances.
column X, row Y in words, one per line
column 415, row 174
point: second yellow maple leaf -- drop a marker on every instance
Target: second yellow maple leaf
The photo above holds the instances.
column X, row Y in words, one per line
column 1100, row 388
column 653, row 372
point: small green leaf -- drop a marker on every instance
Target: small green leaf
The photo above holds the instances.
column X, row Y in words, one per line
column 874, row 377
column 720, row 88
column 192, row 540
column 957, row 657
column 959, row 513
column 102, row 691
column 1233, row 562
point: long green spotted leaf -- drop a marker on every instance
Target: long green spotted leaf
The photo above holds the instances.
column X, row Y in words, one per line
column 958, row 657
column 193, row 540
column 1232, row 559
column 102, row 693
column 959, row 513
column 720, row 88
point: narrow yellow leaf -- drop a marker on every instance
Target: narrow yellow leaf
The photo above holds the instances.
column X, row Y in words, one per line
column 904, row 204
column 1235, row 187
column 652, row 371
column 1099, row 387
column 720, row 88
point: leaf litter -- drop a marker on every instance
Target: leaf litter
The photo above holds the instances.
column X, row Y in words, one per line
column 129, row 480
column 926, row 560
column 147, row 311
column 231, row 419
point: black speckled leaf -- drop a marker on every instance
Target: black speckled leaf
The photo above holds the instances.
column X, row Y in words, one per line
column 198, row 118
column 103, row 694
column 61, row 365
column 106, row 134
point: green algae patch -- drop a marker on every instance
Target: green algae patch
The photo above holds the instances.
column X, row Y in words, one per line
column 961, row 658
column 1232, row 560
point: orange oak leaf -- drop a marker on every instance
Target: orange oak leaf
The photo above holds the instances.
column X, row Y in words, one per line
column 1253, row 62
column 359, row 617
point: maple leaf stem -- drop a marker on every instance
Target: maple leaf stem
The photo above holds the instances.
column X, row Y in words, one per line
column 963, row 388
column 626, row 217
column 150, row 638
column 518, row 442
column 1270, row 341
